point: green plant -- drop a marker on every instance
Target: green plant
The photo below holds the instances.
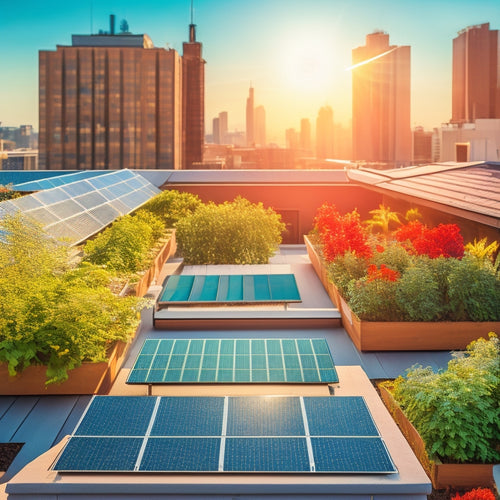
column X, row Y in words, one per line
column 374, row 300
column 456, row 411
column 237, row 232
column 172, row 205
column 474, row 291
column 344, row 269
column 123, row 247
column 417, row 294
column 381, row 219
column 50, row 314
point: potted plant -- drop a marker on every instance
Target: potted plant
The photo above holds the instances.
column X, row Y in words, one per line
column 451, row 418
column 412, row 288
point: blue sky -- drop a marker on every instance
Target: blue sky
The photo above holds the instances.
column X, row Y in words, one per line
column 293, row 52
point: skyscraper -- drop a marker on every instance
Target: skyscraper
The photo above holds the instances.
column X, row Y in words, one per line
column 223, row 127
column 476, row 77
column 109, row 102
column 193, row 98
column 305, row 134
column 381, row 101
column 260, row 126
column 250, row 121
column 324, row 133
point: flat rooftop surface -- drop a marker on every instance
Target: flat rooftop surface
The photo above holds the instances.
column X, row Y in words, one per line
column 41, row 422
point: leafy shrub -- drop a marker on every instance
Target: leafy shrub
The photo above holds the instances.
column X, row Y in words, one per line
column 7, row 193
column 418, row 295
column 374, row 300
column 456, row 411
column 172, row 205
column 343, row 270
column 237, row 232
column 393, row 256
column 123, row 247
column 474, row 291
column 51, row 315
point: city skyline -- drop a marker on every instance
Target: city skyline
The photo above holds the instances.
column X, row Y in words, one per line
column 295, row 56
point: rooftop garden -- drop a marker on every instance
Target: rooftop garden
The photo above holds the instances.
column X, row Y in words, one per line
column 394, row 268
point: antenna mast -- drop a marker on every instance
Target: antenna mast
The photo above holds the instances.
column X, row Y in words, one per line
column 192, row 26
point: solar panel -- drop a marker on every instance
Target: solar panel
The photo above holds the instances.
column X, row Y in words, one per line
column 226, row 289
column 76, row 206
column 222, row 434
column 187, row 361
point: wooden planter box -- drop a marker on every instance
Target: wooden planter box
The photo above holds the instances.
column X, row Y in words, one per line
column 401, row 335
column 442, row 475
column 322, row 272
column 89, row 378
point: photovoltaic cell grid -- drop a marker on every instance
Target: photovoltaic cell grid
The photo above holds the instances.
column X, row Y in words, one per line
column 78, row 209
column 228, row 289
column 229, row 434
column 188, row 361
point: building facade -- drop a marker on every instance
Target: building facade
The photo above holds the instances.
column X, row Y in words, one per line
column 381, row 130
column 305, row 135
column 250, row 118
column 110, row 102
column 324, row 133
column 476, row 77
column 422, row 146
column 193, row 99
column 260, row 126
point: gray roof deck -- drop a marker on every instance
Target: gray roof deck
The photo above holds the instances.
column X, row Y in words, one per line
column 42, row 421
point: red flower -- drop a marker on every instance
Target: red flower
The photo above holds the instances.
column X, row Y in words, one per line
column 380, row 248
column 476, row 494
column 341, row 233
column 384, row 273
column 444, row 240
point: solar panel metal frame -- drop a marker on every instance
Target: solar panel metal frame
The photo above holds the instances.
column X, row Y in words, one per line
column 146, row 450
column 270, row 361
column 231, row 292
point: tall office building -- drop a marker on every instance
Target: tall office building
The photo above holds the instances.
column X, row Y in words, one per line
column 109, row 102
column 193, row 99
column 260, row 126
column 305, row 134
column 324, row 133
column 250, row 120
column 381, row 102
column 476, row 74
column 223, row 127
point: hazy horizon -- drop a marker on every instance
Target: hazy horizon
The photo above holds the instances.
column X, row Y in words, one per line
column 294, row 53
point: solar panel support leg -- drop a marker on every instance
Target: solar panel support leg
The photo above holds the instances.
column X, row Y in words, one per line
column 150, row 389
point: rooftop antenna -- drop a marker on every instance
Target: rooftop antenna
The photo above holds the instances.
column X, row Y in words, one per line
column 192, row 26
column 91, row 18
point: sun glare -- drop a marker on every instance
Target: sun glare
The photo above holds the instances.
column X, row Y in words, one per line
column 308, row 65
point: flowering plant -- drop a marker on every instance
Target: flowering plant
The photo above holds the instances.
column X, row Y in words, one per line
column 414, row 273
column 476, row 494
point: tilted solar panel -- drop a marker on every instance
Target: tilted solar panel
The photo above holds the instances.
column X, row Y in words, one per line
column 163, row 361
column 221, row 434
column 227, row 289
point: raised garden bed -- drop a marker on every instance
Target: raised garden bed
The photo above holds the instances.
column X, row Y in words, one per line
column 400, row 336
column 88, row 378
column 443, row 475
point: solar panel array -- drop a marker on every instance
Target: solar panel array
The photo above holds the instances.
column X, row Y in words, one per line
column 191, row 361
column 228, row 289
column 56, row 180
column 77, row 210
column 227, row 434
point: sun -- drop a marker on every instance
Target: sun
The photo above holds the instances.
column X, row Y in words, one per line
column 308, row 64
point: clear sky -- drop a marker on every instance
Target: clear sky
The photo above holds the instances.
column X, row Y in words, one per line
column 294, row 52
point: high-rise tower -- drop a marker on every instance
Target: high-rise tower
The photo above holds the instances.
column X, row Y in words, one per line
column 381, row 101
column 476, row 77
column 324, row 133
column 250, row 119
column 110, row 101
column 193, row 98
